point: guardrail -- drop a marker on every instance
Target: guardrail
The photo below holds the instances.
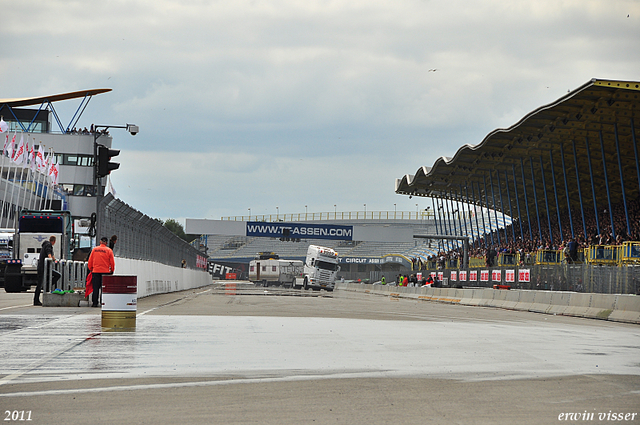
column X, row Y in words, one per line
column 73, row 275
column 346, row 215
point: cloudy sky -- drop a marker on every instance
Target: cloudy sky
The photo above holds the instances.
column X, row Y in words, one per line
column 277, row 105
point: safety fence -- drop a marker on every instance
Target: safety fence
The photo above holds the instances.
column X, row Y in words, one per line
column 628, row 253
column 65, row 275
column 141, row 237
column 566, row 277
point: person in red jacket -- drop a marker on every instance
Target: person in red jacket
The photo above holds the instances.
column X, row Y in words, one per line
column 101, row 262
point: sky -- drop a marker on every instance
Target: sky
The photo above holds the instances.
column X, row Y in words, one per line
column 304, row 105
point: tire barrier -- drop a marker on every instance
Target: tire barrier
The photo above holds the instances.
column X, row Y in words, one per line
column 618, row 308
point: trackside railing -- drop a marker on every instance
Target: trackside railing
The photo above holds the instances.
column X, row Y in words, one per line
column 73, row 275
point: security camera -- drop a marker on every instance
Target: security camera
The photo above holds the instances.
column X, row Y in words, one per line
column 133, row 129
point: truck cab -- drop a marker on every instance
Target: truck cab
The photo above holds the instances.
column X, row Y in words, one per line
column 33, row 228
column 320, row 268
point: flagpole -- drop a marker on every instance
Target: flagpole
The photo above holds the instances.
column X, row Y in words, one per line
column 9, row 151
column 34, row 177
column 25, row 165
column 5, row 187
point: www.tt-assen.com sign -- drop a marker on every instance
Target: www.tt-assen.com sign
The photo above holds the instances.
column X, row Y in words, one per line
column 300, row 231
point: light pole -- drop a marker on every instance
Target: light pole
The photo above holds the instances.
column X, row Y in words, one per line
column 249, row 213
column 133, row 130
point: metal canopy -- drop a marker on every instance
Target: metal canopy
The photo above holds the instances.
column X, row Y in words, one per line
column 601, row 115
column 46, row 102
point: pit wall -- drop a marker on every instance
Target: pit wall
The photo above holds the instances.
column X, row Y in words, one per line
column 155, row 278
column 618, row 308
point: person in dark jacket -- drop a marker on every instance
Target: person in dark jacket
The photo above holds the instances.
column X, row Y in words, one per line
column 45, row 252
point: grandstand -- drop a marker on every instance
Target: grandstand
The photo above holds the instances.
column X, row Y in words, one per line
column 569, row 175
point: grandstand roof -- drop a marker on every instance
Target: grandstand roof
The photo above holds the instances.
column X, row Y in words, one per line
column 29, row 101
column 601, row 114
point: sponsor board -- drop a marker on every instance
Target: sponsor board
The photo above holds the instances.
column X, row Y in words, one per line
column 299, row 231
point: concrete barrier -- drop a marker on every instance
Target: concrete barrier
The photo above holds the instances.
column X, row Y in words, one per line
column 559, row 302
column 61, row 300
column 601, row 306
column 499, row 298
column 623, row 308
column 512, row 300
column 578, row 305
column 627, row 309
column 541, row 302
column 526, row 300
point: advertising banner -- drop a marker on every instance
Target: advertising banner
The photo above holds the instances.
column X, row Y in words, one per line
column 524, row 275
column 510, row 276
column 299, row 231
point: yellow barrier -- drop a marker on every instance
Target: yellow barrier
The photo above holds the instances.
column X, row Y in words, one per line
column 602, row 255
column 476, row 262
column 548, row 256
column 506, row 259
column 452, row 263
column 629, row 253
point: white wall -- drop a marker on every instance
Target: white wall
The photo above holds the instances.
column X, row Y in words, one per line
column 154, row 278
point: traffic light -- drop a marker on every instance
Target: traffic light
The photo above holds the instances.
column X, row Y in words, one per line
column 104, row 157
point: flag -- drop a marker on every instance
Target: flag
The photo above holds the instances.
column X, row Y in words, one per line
column 10, row 147
column 40, row 164
column 53, row 171
column 32, row 158
column 4, row 127
column 6, row 145
column 110, row 187
column 18, row 156
column 47, row 164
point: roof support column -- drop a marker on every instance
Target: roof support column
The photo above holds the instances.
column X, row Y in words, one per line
column 546, row 200
column 624, row 196
column 495, row 210
column 515, row 186
column 555, row 192
column 484, row 226
column 436, row 216
column 486, row 197
column 575, row 160
column 606, row 183
column 506, row 236
column 635, row 151
column 459, row 214
column 566, row 189
column 466, row 231
column 526, row 202
column 593, row 186
column 535, row 199
column 506, row 182
column 475, row 213
column 452, row 224
column 473, row 238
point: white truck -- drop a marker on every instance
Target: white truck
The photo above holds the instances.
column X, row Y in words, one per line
column 268, row 269
column 320, row 269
